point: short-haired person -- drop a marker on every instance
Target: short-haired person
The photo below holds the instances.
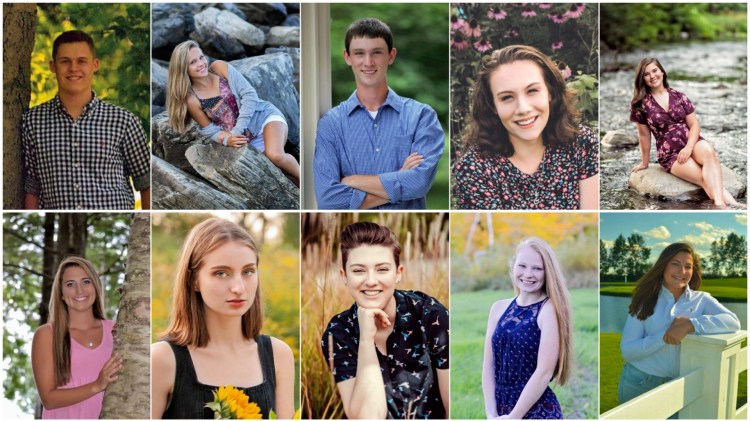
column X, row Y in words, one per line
column 78, row 150
column 376, row 149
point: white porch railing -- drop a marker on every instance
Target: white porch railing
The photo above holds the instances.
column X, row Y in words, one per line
column 706, row 389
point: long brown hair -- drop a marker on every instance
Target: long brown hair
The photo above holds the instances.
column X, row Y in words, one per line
column 556, row 288
column 58, row 315
column 178, row 86
column 487, row 131
column 640, row 89
column 187, row 326
column 646, row 292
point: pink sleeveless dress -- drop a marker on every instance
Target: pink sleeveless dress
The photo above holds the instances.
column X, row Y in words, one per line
column 85, row 365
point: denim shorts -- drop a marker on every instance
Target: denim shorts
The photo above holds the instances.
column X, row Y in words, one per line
column 634, row 382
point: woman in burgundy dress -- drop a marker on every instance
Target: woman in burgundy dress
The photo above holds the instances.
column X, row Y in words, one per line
column 670, row 116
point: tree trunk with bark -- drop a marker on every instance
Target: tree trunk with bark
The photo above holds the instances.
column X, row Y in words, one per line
column 49, row 266
column 19, row 22
column 129, row 396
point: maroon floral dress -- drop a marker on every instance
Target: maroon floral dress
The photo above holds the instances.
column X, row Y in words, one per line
column 491, row 181
column 669, row 128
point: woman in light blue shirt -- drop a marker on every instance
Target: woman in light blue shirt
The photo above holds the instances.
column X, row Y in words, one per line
column 666, row 307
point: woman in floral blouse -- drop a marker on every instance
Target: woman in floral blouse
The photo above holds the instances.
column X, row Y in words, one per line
column 526, row 149
column 670, row 116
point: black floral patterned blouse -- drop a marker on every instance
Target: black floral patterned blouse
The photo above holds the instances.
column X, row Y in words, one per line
column 493, row 182
column 417, row 347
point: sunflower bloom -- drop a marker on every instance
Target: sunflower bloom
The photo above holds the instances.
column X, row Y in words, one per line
column 232, row 403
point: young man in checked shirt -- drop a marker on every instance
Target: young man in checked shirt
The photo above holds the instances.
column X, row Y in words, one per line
column 79, row 151
column 376, row 150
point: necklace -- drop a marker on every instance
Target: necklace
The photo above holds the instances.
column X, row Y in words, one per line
column 91, row 344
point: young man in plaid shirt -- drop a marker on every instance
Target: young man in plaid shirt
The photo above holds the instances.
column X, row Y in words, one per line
column 80, row 151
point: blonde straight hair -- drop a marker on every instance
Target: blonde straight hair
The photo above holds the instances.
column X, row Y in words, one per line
column 58, row 315
column 178, row 86
column 187, row 321
column 556, row 288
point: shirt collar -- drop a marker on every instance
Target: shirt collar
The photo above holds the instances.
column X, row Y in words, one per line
column 90, row 106
column 402, row 305
column 392, row 100
column 688, row 294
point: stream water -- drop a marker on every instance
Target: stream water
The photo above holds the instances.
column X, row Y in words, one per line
column 713, row 75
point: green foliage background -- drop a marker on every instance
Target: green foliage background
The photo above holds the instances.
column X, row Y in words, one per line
column 121, row 34
column 420, row 71
column 23, row 234
column 643, row 25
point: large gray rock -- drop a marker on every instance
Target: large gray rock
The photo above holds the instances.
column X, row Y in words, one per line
column 158, row 84
column 283, row 36
column 271, row 14
column 294, row 55
column 619, row 139
column 292, row 20
column 224, row 34
column 170, row 146
column 271, row 76
column 172, row 22
column 175, row 189
column 245, row 174
column 656, row 182
column 234, row 9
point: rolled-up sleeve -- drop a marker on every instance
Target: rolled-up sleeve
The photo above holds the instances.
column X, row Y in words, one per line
column 429, row 141
column 31, row 182
column 329, row 191
column 136, row 154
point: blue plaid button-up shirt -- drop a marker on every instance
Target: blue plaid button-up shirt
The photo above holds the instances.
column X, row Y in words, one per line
column 350, row 141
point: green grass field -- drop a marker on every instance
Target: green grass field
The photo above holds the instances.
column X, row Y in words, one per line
column 728, row 290
column 611, row 366
column 469, row 312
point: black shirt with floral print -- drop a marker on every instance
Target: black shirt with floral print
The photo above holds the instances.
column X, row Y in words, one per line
column 417, row 347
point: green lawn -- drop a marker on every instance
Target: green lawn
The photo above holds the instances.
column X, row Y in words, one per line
column 727, row 290
column 611, row 366
column 469, row 312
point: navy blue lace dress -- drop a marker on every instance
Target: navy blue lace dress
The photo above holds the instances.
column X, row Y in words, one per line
column 515, row 346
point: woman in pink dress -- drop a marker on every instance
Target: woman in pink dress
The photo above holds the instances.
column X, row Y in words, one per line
column 670, row 116
column 71, row 355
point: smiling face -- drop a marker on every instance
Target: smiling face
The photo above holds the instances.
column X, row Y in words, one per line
column 371, row 275
column 678, row 272
column 369, row 59
column 528, row 270
column 197, row 63
column 78, row 291
column 228, row 279
column 521, row 100
column 74, row 68
column 653, row 77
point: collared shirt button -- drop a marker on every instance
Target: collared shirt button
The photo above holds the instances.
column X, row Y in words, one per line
column 79, row 207
column 76, row 185
column 375, row 125
column 75, row 165
column 377, row 149
column 75, row 145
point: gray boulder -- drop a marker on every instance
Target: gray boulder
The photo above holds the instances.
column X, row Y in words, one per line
column 158, row 84
column 171, row 146
column 172, row 22
column 175, row 189
column 292, row 20
column 244, row 174
column 271, row 14
column 294, row 54
column 619, row 139
column 224, row 34
column 283, row 36
column 231, row 7
column 156, row 110
column 270, row 75
column 655, row 182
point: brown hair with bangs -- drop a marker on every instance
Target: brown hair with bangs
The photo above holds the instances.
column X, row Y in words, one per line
column 370, row 234
column 187, row 326
column 487, row 132
column 58, row 314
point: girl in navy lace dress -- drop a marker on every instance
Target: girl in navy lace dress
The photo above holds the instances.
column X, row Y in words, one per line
column 225, row 106
column 515, row 375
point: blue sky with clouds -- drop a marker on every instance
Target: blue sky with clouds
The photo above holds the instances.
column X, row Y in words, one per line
column 661, row 229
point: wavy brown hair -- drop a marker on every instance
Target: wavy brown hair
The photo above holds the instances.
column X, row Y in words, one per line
column 487, row 132
column 640, row 89
column 187, row 325
column 178, row 86
column 58, row 315
column 646, row 292
column 556, row 288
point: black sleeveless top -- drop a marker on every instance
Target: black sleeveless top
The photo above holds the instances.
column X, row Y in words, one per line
column 189, row 397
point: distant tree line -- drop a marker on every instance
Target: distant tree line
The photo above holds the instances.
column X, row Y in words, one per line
column 628, row 258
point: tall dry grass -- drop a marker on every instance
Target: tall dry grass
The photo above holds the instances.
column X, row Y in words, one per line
column 424, row 242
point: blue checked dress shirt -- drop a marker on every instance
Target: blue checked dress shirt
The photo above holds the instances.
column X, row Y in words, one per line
column 84, row 163
column 642, row 343
column 351, row 142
